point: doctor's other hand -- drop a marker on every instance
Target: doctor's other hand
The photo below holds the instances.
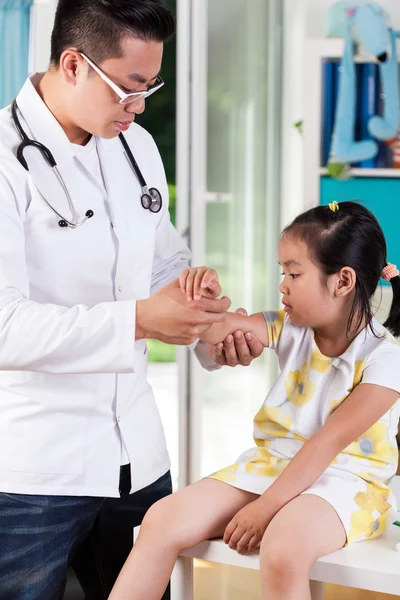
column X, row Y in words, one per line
column 237, row 349
column 169, row 317
column 197, row 282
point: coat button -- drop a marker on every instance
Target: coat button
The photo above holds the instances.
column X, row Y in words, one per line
column 120, row 288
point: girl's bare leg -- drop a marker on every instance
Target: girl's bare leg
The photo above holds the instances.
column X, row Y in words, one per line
column 194, row 514
column 302, row 531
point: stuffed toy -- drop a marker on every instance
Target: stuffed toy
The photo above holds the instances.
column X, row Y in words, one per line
column 365, row 23
column 394, row 145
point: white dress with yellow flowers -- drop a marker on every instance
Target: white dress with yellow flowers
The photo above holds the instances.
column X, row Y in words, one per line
column 310, row 387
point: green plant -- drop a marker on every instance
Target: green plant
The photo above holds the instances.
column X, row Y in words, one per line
column 160, row 352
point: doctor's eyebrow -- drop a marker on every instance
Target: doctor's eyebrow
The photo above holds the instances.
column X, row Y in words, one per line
column 140, row 79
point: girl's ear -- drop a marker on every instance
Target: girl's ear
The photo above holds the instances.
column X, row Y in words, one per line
column 346, row 281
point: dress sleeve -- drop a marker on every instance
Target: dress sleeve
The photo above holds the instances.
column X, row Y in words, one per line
column 382, row 367
column 275, row 321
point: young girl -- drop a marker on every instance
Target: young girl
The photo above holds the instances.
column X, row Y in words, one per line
column 325, row 436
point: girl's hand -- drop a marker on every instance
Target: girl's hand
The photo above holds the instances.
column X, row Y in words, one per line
column 199, row 281
column 248, row 526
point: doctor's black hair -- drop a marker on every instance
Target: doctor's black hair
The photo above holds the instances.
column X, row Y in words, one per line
column 349, row 237
column 96, row 27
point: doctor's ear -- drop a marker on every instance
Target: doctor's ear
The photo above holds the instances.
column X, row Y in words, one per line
column 71, row 65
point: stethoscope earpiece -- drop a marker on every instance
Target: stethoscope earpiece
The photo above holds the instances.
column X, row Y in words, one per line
column 151, row 199
column 64, row 223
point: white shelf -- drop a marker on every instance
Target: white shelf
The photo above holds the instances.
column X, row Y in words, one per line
column 367, row 172
column 332, row 48
column 317, row 51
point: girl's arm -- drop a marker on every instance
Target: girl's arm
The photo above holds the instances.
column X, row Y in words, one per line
column 196, row 282
column 366, row 404
column 254, row 324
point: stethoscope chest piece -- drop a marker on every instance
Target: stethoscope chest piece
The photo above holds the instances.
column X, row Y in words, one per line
column 151, row 200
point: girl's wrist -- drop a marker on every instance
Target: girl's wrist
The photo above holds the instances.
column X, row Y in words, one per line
column 270, row 501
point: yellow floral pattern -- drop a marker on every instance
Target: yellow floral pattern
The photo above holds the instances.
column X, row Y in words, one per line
column 358, row 372
column 228, row 474
column 371, row 520
column 333, row 405
column 375, row 446
column 275, row 327
column 299, row 386
column 273, row 421
column 266, row 465
column 320, row 362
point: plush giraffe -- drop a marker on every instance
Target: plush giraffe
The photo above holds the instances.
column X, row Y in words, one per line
column 368, row 24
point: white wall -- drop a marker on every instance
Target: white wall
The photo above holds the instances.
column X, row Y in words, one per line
column 294, row 27
column 42, row 24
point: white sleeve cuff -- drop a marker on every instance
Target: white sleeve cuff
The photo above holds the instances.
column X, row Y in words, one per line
column 203, row 356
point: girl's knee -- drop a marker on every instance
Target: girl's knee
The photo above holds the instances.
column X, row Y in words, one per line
column 159, row 519
column 163, row 523
column 282, row 562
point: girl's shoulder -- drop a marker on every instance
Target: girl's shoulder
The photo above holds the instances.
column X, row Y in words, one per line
column 379, row 358
column 378, row 338
column 374, row 344
column 379, row 341
column 282, row 333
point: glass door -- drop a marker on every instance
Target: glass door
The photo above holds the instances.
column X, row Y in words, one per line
column 234, row 200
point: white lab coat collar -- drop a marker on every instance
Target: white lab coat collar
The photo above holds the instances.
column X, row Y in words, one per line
column 45, row 128
column 42, row 124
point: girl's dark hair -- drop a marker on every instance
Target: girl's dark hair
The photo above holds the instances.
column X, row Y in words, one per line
column 95, row 27
column 349, row 237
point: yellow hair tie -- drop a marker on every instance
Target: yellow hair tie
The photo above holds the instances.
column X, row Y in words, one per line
column 334, row 206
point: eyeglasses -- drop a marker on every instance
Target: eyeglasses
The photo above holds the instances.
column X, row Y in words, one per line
column 125, row 98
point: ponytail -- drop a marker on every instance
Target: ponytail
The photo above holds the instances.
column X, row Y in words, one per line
column 393, row 321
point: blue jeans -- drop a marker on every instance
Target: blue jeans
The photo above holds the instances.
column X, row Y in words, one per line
column 40, row 536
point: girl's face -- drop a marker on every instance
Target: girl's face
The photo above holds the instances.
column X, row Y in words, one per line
column 307, row 295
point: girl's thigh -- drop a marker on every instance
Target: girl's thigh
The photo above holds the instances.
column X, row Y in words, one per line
column 197, row 512
column 305, row 529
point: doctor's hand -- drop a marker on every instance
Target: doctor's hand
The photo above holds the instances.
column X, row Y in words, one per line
column 237, row 349
column 169, row 317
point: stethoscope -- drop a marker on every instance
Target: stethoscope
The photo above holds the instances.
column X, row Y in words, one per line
column 151, row 199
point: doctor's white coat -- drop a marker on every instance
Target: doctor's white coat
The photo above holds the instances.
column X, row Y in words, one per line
column 73, row 382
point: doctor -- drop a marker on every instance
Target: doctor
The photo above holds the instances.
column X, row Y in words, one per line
column 87, row 257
